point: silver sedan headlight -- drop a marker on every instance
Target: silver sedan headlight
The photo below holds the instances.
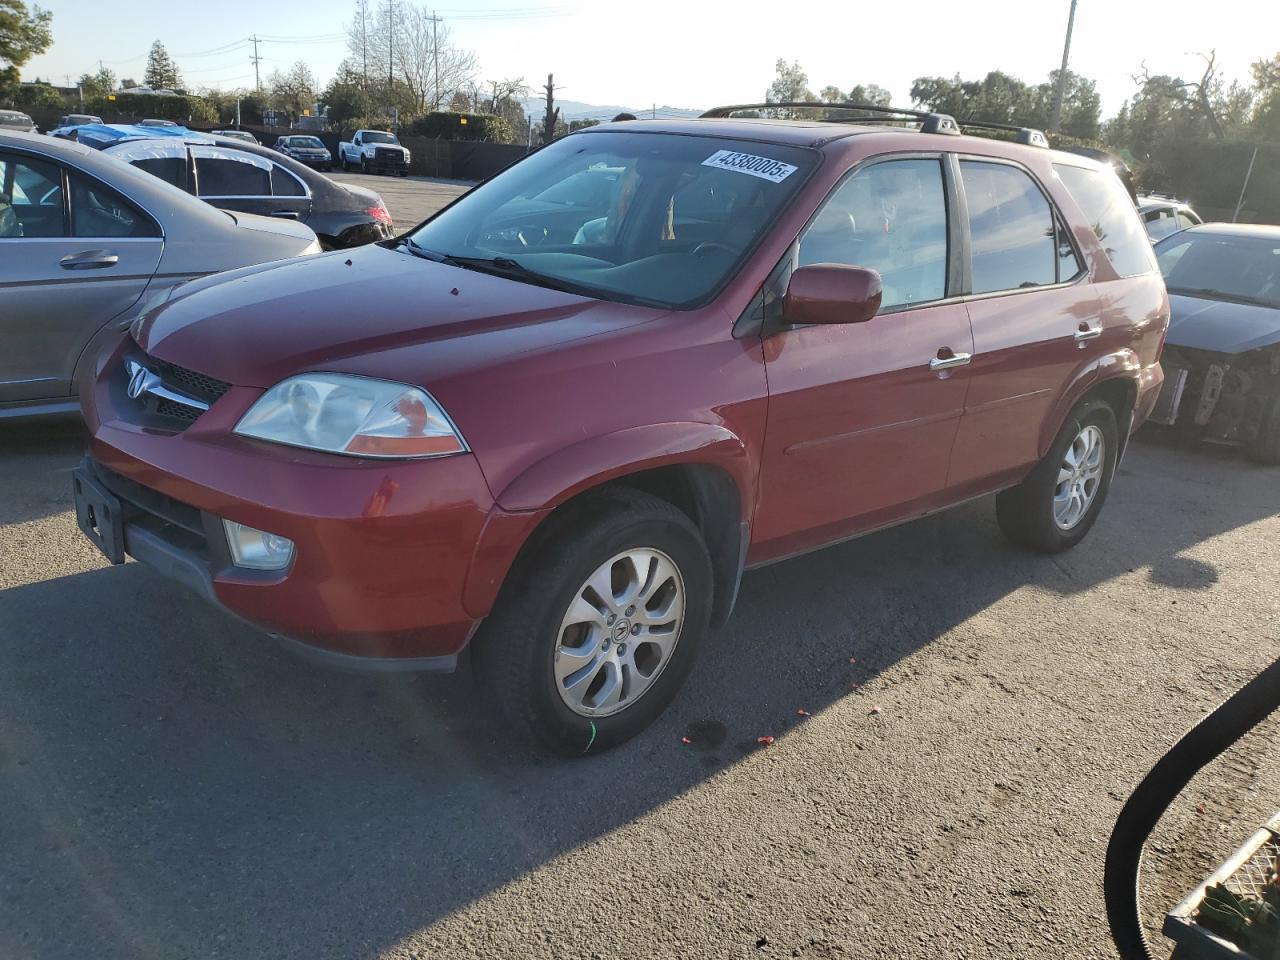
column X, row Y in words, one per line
column 353, row 416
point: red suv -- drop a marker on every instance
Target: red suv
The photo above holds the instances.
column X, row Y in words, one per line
column 558, row 420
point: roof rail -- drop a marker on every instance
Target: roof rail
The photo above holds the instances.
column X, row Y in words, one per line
column 941, row 123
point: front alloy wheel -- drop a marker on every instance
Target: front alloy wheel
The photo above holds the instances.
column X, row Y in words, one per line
column 619, row 633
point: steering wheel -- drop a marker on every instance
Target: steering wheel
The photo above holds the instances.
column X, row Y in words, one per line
column 709, row 245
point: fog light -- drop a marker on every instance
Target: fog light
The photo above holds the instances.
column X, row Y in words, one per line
column 257, row 549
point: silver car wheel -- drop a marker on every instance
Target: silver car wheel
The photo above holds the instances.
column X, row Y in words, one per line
column 619, row 633
column 1079, row 477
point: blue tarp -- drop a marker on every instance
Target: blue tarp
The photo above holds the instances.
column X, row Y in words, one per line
column 101, row 135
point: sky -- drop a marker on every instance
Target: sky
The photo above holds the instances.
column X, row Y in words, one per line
column 688, row 53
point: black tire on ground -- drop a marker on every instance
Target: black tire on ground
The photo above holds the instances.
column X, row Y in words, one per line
column 1265, row 447
column 342, row 162
column 514, row 651
column 364, row 165
column 1026, row 512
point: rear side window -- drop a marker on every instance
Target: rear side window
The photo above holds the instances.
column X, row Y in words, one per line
column 225, row 177
column 1013, row 236
column 98, row 211
column 1111, row 214
column 284, row 183
column 891, row 217
column 30, row 198
column 169, row 169
column 1160, row 223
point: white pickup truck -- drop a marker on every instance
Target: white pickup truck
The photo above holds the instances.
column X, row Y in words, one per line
column 374, row 151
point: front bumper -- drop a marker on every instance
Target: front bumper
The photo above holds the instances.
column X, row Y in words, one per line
column 1222, row 398
column 383, row 548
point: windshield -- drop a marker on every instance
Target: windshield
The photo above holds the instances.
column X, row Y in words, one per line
column 1244, row 269
column 638, row 217
column 373, row 136
column 303, row 142
column 14, row 119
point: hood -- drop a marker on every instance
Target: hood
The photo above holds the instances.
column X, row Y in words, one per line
column 1221, row 326
column 372, row 311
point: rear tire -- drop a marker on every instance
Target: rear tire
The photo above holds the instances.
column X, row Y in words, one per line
column 561, row 658
column 1056, row 505
column 1265, row 447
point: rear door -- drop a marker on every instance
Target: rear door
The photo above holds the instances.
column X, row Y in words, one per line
column 239, row 180
column 862, row 416
column 1035, row 320
column 74, row 255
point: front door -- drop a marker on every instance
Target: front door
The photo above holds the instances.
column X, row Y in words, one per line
column 862, row 417
column 68, row 266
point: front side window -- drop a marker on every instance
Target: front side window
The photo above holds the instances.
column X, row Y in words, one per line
column 30, row 198
column 891, row 217
column 1186, row 219
column 1012, row 230
column 231, row 174
column 1110, row 212
column 647, row 218
column 98, row 211
column 1160, row 223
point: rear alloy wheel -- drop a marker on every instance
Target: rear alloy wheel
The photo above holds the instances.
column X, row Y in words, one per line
column 1058, row 502
column 599, row 624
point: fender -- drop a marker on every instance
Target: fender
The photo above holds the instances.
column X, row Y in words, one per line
column 1119, row 365
column 568, row 472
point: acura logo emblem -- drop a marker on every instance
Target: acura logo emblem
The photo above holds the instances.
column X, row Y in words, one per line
column 141, row 380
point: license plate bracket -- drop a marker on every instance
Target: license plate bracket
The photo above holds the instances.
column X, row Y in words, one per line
column 99, row 515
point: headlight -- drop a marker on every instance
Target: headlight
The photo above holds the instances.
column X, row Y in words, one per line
column 353, row 416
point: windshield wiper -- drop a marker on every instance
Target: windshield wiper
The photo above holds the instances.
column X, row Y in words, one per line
column 1209, row 293
column 506, row 267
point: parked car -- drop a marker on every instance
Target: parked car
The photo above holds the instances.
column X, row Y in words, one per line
column 563, row 445
column 158, row 123
column 15, row 121
column 235, row 175
column 77, row 267
column 1222, row 359
column 307, row 150
column 374, row 151
column 1163, row 215
column 77, row 119
column 244, row 135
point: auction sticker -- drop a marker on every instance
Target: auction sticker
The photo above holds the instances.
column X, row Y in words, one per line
column 762, row 167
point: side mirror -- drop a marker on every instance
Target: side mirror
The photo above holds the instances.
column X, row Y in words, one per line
column 832, row 293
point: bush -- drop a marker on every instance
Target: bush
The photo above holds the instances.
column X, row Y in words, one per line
column 449, row 125
column 127, row 107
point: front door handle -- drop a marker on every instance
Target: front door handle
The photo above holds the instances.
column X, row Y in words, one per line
column 285, row 214
column 946, row 360
column 89, row 260
column 1086, row 332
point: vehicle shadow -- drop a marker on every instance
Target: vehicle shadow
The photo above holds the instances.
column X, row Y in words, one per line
column 36, row 458
column 171, row 781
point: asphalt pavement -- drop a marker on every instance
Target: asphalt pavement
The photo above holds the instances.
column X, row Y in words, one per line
column 410, row 199
column 174, row 785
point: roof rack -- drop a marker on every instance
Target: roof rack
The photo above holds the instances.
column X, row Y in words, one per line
column 941, row 123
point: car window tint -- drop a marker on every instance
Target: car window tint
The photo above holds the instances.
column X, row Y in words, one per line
column 891, row 217
column 284, row 183
column 30, row 198
column 1160, row 223
column 227, row 177
column 1110, row 212
column 1011, row 228
column 98, row 211
column 169, row 169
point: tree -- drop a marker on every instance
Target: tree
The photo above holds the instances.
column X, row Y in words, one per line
column 1266, row 113
column 161, row 72
column 94, row 86
column 1001, row 98
column 789, row 85
column 551, row 117
column 293, row 92
column 347, row 96
column 23, row 34
column 413, row 48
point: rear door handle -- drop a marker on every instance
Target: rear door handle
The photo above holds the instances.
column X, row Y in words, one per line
column 954, row 360
column 89, row 260
column 285, row 214
column 1086, row 332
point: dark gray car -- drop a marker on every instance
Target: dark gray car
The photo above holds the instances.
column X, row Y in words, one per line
column 86, row 244
column 1222, row 355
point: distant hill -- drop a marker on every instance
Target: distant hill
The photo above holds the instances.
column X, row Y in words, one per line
column 577, row 110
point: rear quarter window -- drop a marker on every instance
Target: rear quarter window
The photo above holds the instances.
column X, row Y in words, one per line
column 1112, row 216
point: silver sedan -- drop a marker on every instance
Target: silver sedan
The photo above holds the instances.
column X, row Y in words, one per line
column 87, row 243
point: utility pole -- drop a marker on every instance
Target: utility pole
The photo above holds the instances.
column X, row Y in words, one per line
column 435, row 54
column 1061, row 86
column 391, row 41
column 1244, row 186
column 364, row 41
column 257, row 79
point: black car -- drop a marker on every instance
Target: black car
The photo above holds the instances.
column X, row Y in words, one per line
column 1222, row 356
column 306, row 149
column 236, row 175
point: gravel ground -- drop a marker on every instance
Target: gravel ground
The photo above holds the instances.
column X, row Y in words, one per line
column 173, row 785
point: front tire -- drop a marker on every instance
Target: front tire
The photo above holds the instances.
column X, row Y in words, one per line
column 1056, row 505
column 599, row 623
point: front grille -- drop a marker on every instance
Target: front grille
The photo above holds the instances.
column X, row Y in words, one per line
column 165, row 405
column 208, row 389
column 177, row 411
column 387, row 156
